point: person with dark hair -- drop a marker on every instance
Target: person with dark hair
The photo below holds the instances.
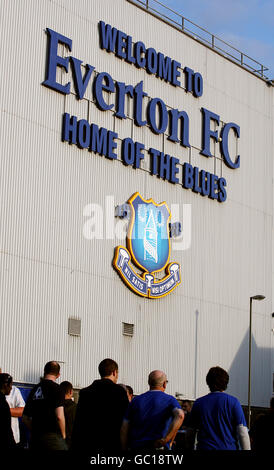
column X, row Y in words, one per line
column 152, row 419
column 52, row 368
column 262, row 431
column 6, row 435
column 217, row 379
column 185, row 438
column 107, row 367
column 129, row 392
column 16, row 404
column 219, row 417
column 99, row 413
column 69, row 409
column 44, row 412
column 186, row 406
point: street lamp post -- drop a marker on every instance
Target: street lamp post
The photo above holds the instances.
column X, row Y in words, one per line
column 254, row 297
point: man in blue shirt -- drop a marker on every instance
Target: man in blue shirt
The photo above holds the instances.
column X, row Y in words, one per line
column 153, row 418
column 219, row 417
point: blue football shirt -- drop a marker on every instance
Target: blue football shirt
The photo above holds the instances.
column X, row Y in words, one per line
column 216, row 416
column 150, row 415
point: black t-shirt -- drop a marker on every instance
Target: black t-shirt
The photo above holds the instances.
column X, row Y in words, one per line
column 6, row 435
column 41, row 404
column 70, row 412
column 99, row 416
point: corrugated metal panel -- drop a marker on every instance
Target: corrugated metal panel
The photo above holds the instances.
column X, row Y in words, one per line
column 51, row 272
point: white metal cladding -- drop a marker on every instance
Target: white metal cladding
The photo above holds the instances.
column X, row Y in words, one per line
column 50, row 272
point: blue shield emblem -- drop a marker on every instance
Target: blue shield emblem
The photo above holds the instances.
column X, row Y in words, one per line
column 148, row 235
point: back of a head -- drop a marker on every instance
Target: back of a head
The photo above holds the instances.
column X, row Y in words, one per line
column 52, row 368
column 129, row 389
column 5, row 379
column 217, row 379
column 107, row 367
column 156, row 379
column 66, row 387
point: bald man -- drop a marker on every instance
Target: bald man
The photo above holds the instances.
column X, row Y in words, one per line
column 153, row 418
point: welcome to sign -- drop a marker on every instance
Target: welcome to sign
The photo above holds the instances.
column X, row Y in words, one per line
column 159, row 120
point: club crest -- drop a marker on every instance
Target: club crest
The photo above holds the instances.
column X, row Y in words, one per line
column 148, row 247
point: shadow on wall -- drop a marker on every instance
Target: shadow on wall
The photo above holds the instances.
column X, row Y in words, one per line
column 261, row 373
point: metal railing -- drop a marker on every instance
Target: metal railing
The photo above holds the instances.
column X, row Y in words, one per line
column 202, row 35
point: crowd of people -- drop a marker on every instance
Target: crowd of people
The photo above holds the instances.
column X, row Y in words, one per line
column 109, row 420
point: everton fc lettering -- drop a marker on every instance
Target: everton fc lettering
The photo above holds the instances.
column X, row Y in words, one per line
column 154, row 113
column 148, row 247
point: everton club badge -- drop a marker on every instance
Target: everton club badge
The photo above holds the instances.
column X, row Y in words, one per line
column 148, row 248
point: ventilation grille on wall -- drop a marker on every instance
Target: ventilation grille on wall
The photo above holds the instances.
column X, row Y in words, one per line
column 128, row 329
column 74, row 327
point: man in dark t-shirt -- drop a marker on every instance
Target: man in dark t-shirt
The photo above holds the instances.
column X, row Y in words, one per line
column 99, row 414
column 44, row 412
column 69, row 409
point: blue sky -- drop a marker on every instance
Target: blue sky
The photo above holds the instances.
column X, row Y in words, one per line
column 246, row 24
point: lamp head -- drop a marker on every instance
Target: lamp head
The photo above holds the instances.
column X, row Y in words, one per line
column 258, row 297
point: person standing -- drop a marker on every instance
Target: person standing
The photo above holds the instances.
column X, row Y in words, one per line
column 153, row 418
column 129, row 393
column 262, row 431
column 185, row 438
column 44, row 412
column 99, row 414
column 69, row 409
column 16, row 404
column 219, row 417
column 186, row 406
column 7, row 441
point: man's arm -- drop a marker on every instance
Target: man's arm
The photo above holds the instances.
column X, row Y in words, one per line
column 124, row 434
column 60, row 416
column 241, row 428
column 242, row 434
column 178, row 418
column 17, row 412
column 16, row 403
